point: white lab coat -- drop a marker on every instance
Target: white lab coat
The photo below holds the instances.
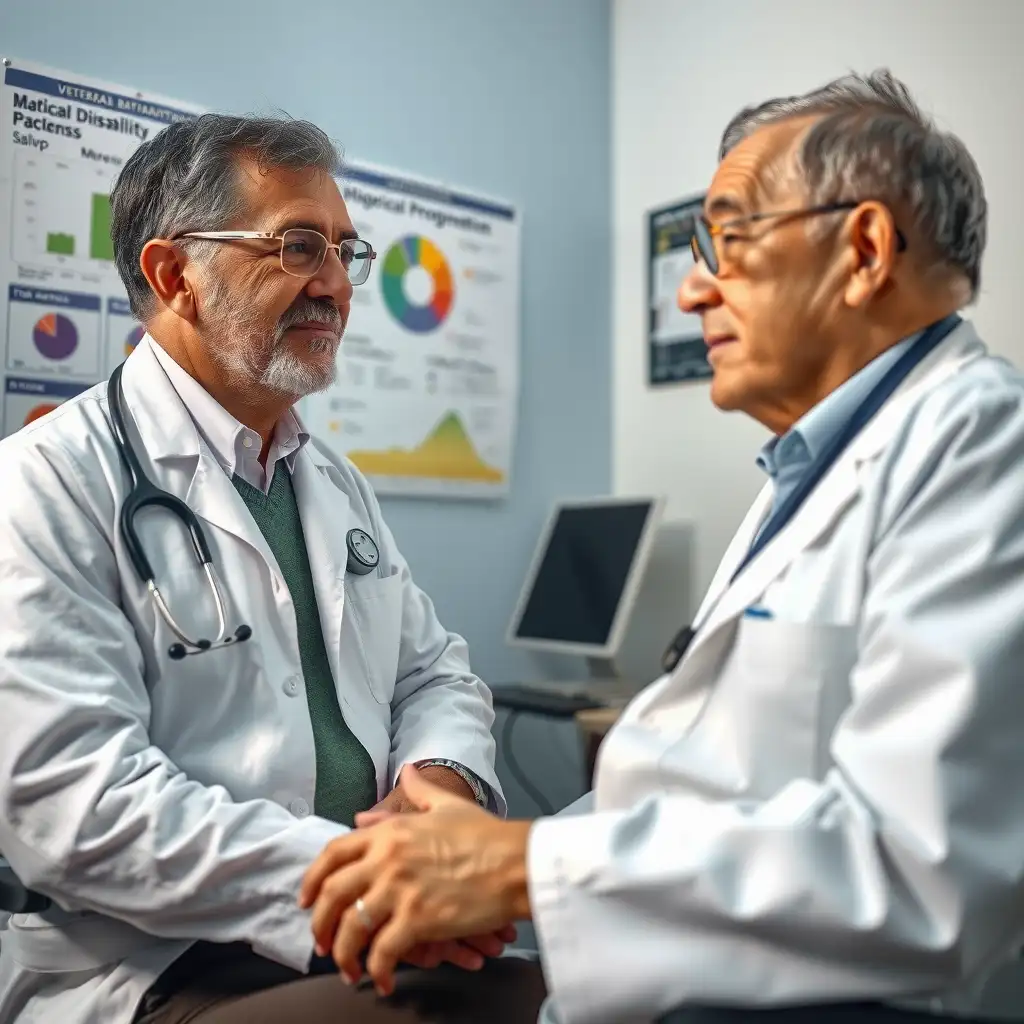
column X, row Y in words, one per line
column 158, row 801
column 827, row 804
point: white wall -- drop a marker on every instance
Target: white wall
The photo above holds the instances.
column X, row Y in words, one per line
column 681, row 69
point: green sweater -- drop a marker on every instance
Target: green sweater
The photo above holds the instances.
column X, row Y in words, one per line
column 346, row 780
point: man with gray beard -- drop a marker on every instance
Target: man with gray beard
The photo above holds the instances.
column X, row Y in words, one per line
column 161, row 796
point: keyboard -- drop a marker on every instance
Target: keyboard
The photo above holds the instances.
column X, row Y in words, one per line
column 542, row 701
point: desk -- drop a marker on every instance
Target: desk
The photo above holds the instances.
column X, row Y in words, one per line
column 593, row 725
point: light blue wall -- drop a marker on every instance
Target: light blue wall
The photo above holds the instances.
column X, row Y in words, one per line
column 510, row 98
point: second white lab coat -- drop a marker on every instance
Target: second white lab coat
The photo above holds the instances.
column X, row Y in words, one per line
column 825, row 804
column 157, row 801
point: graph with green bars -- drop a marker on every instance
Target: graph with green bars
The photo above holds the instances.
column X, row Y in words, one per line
column 62, row 243
column 62, row 210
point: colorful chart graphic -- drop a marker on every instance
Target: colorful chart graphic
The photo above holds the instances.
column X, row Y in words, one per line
column 40, row 410
column 55, row 336
column 134, row 337
column 408, row 254
column 447, row 454
column 61, row 208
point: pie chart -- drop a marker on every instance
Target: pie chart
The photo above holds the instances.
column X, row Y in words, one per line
column 40, row 410
column 134, row 337
column 417, row 257
column 55, row 336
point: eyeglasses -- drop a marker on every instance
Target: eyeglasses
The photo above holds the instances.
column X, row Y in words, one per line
column 706, row 240
column 303, row 250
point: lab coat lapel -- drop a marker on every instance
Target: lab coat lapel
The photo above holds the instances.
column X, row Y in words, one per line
column 326, row 519
column 726, row 600
column 175, row 456
column 817, row 514
column 735, row 552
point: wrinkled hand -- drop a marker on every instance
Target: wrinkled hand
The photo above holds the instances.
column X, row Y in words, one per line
column 453, row 870
column 470, row 953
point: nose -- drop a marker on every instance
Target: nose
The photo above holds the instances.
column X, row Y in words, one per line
column 331, row 280
column 698, row 290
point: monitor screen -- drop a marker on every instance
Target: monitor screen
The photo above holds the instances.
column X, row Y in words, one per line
column 582, row 573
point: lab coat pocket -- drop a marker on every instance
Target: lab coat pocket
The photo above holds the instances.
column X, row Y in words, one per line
column 770, row 713
column 374, row 606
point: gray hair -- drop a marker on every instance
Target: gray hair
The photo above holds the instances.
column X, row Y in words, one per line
column 872, row 141
column 183, row 179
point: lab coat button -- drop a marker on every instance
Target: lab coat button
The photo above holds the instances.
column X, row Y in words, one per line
column 292, row 685
column 299, row 808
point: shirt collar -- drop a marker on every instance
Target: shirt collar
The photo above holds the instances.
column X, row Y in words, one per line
column 232, row 443
column 810, row 435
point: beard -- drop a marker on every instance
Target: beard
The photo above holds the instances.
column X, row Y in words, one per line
column 248, row 351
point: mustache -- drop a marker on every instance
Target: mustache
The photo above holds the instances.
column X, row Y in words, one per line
column 313, row 311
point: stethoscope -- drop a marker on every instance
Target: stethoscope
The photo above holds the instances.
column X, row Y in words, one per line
column 363, row 554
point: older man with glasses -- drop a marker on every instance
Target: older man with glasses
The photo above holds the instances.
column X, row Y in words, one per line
column 816, row 814
column 163, row 796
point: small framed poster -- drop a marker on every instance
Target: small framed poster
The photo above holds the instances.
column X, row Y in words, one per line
column 675, row 342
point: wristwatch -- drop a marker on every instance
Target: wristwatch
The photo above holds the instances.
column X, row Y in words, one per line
column 479, row 792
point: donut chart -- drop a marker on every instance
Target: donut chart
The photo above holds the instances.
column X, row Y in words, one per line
column 55, row 336
column 405, row 255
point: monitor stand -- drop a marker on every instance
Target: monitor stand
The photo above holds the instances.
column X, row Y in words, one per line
column 606, row 683
column 602, row 670
column 603, row 685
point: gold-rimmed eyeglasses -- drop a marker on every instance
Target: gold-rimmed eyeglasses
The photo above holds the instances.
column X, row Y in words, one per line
column 304, row 250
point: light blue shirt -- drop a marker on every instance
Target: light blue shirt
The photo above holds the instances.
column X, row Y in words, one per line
column 786, row 458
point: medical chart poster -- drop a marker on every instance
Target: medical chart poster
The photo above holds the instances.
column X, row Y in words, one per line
column 428, row 373
column 66, row 322
column 675, row 342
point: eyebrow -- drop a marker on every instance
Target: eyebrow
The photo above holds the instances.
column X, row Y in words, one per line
column 311, row 226
column 725, row 206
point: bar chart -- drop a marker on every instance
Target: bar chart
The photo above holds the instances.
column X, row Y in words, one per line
column 72, row 225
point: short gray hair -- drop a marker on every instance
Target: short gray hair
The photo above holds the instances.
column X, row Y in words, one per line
column 183, row 179
column 872, row 141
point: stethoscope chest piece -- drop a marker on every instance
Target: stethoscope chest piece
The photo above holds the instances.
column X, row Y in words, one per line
column 363, row 554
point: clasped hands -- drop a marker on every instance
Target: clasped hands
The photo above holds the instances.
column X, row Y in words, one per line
column 443, row 883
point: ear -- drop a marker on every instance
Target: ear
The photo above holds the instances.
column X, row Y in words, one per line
column 874, row 242
column 163, row 263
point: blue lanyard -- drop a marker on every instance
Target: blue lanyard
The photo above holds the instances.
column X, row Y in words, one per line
column 879, row 395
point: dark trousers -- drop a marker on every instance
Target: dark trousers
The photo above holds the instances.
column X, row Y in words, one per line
column 232, row 985
column 213, row 984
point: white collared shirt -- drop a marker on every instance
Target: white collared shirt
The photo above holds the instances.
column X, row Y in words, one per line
column 235, row 446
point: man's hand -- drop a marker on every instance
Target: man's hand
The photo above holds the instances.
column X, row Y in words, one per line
column 398, row 802
column 470, row 953
column 450, row 871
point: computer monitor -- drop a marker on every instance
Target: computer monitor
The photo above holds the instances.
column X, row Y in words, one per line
column 584, row 577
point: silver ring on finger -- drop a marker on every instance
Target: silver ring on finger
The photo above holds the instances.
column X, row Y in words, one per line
column 363, row 914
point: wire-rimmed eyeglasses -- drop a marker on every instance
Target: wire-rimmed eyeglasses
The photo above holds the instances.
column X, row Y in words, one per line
column 706, row 238
column 304, row 250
